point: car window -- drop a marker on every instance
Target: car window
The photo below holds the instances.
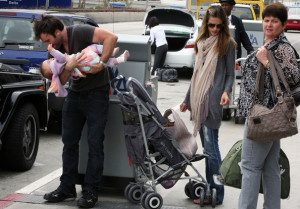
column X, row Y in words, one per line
column 65, row 21
column 17, row 34
column 294, row 11
column 78, row 21
column 243, row 13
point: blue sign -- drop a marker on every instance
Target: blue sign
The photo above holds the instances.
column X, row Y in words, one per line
column 34, row 3
column 121, row 84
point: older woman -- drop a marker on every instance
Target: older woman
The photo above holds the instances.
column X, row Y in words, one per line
column 260, row 160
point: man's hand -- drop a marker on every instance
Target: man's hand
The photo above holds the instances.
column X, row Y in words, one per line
column 224, row 99
column 74, row 61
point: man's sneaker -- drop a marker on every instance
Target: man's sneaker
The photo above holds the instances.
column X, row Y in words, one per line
column 58, row 195
column 88, row 200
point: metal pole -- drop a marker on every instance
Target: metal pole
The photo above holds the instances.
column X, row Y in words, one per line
column 47, row 4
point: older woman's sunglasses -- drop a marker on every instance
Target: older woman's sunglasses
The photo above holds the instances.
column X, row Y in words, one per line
column 212, row 25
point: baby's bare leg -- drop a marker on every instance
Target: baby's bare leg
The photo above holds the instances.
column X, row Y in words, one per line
column 123, row 57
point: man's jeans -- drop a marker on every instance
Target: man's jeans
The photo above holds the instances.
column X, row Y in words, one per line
column 210, row 142
column 91, row 107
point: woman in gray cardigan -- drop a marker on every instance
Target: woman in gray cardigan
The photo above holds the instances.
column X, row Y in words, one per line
column 210, row 86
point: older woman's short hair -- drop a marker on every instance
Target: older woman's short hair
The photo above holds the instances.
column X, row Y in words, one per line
column 277, row 10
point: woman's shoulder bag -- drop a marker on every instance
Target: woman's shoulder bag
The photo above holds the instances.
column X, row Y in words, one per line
column 266, row 124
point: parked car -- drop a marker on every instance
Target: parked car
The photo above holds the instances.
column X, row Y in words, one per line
column 17, row 42
column 242, row 11
column 256, row 6
column 181, row 32
column 23, row 111
column 293, row 18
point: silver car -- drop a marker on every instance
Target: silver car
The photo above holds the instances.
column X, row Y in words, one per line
column 181, row 32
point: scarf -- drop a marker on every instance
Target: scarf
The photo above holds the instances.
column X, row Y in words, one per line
column 202, row 80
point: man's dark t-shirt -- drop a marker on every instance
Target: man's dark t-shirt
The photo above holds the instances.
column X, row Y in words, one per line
column 79, row 37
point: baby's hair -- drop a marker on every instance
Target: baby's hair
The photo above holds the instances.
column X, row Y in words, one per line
column 44, row 71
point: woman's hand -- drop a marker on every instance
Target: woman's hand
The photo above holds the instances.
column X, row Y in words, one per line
column 183, row 107
column 224, row 99
column 261, row 55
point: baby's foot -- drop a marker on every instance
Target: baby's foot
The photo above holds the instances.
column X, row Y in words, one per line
column 123, row 57
column 115, row 51
column 53, row 87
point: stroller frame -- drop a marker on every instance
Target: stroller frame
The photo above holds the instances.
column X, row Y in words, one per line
column 144, row 189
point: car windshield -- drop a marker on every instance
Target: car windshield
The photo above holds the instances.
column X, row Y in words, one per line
column 17, row 34
column 294, row 11
column 243, row 12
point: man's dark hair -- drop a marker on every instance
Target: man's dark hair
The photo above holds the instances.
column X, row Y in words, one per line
column 277, row 10
column 47, row 24
column 153, row 22
column 232, row 2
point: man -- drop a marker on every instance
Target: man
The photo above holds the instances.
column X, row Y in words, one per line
column 87, row 101
column 240, row 33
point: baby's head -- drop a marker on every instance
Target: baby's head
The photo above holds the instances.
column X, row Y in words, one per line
column 45, row 69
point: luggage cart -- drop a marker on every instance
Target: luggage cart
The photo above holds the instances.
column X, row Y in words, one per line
column 232, row 106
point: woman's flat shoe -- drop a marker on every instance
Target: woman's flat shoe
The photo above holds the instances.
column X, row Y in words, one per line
column 206, row 202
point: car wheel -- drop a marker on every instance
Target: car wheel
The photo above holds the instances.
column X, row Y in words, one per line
column 21, row 139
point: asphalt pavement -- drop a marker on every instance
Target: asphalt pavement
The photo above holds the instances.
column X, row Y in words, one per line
column 31, row 196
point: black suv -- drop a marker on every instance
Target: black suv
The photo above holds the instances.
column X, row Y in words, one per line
column 17, row 42
column 23, row 112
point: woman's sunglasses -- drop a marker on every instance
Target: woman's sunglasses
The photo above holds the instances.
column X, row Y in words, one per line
column 212, row 25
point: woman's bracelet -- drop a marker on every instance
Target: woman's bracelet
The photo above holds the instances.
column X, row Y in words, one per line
column 266, row 64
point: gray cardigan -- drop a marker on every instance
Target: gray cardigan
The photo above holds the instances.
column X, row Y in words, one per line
column 223, row 81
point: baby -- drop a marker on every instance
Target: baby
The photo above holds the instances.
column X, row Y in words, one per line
column 53, row 67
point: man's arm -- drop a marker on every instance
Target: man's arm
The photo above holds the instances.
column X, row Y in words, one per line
column 109, row 41
column 72, row 62
column 244, row 38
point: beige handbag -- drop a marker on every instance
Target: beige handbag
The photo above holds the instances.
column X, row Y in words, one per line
column 266, row 124
column 186, row 141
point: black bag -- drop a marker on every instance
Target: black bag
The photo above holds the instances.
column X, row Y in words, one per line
column 167, row 74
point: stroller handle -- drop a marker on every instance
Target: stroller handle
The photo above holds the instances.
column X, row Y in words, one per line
column 116, row 79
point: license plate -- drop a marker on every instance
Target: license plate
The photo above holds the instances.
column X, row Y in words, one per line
column 295, row 21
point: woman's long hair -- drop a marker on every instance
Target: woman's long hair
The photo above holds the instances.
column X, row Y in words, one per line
column 224, row 37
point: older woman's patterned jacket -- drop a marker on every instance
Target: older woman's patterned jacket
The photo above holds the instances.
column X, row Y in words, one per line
column 285, row 55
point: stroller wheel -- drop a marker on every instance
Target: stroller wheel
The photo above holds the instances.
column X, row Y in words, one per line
column 126, row 190
column 195, row 190
column 144, row 195
column 153, row 201
column 134, row 194
column 202, row 196
column 187, row 189
column 213, row 197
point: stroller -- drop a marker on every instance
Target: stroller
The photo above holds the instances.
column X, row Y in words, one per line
column 155, row 155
